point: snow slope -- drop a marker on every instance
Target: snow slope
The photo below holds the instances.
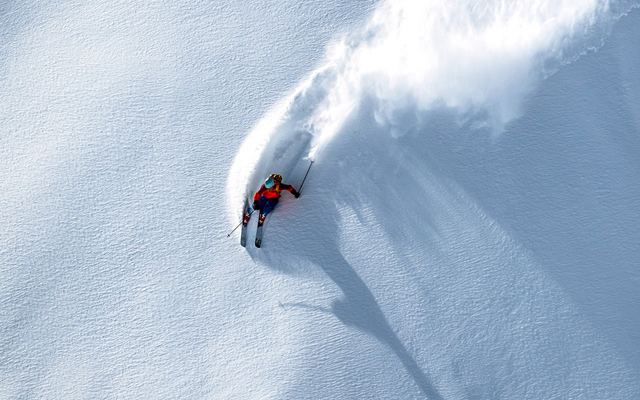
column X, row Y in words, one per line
column 500, row 249
column 468, row 233
column 120, row 121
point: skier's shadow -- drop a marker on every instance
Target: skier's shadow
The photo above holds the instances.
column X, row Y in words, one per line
column 319, row 243
column 358, row 307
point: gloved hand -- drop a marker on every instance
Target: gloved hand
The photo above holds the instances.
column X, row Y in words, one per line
column 295, row 193
column 256, row 204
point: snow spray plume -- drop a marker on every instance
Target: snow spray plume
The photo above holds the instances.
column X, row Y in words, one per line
column 478, row 58
column 276, row 143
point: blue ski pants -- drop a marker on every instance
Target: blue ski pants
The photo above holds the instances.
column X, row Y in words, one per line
column 266, row 205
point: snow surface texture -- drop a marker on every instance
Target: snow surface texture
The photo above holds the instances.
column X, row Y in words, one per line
column 469, row 230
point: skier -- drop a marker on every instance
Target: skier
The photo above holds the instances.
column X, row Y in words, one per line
column 266, row 199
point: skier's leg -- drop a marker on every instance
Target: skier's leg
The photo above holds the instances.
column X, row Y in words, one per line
column 261, row 203
column 269, row 206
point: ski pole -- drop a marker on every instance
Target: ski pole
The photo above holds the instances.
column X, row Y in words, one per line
column 305, row 177
column 234, row 229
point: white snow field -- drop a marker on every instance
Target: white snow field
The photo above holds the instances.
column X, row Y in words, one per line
column 469, row 229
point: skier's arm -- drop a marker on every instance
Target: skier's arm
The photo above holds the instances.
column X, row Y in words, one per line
column 256, row 196
column 290, row 189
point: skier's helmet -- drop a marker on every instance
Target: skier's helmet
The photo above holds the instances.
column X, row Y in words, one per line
column 269, row 183
column 276, row 177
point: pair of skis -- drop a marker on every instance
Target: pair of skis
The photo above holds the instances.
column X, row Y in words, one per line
column 245, row 223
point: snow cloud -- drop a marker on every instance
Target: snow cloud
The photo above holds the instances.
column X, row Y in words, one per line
column 479, row 58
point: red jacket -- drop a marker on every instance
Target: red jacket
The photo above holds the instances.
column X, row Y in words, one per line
column 274, row 192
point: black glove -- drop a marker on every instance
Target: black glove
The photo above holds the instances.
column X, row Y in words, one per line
column 295, row 193
column 256, row 204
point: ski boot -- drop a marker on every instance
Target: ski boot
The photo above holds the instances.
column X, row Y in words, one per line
column 247, row 217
